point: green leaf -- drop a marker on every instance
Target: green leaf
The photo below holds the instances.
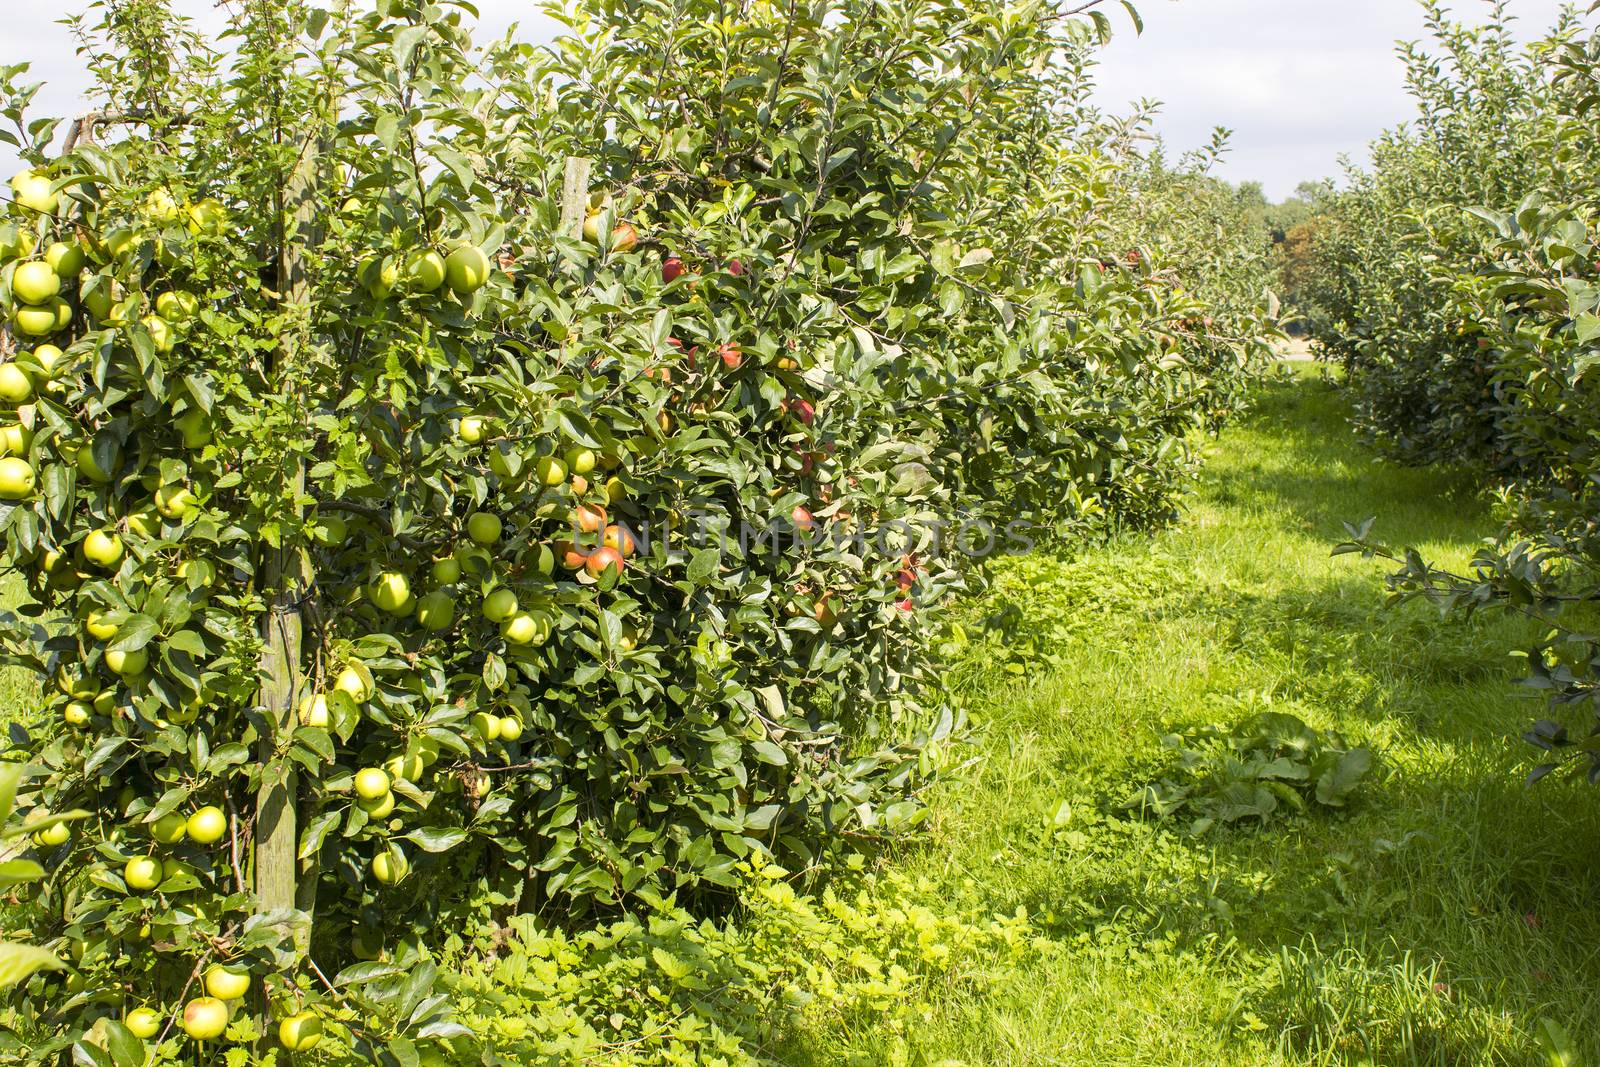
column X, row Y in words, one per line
column 10, row 778
column 767, row 752
column 19, row 962
column 18, row 872
column 1336, row 785
column 437, row 838
column 134, row 634
column 703, row 564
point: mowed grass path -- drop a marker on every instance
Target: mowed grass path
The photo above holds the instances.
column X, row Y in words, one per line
column 1441, row 920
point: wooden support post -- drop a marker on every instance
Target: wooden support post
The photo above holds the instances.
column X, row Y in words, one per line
column 279, row 881
column 575, row 196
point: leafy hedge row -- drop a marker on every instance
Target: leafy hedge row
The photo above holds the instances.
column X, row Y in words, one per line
column 469, row 482
column 1459, row 284
column 1495, row 122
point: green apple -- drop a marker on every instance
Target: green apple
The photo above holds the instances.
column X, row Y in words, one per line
column 15, row 385
column 227, row 983
column 351, row 683
column 177, row 307
column 488, row 726
column 195, row 427
column 300, row 1031
column 98, row 628
column 120, row 241
column 16, row 479
column 142, row 1023
column 160, row 332
column 505, row 461
column 390, row 866
column 39, row 321
column 145, row 523
column 379, row 279
column 484, row 528
column 314, row 711
column 102, row 548
column 520, row 628
column 161, row 206
column 77, row 713
column 127, row 664
column 409, row 768
column 467, row 269
column 366, row 944
column 15, row 440
column 205, row 1018
column 75, row 683
column 391, row 592
column 98, row 301
column 551, row 471
column 581, row 460
column 89, row 468
column 436, row 611
column 330, row 531
column 35, row 282
column 208, row 216
column 372, row 783
column 499, row 605
column 169, row 829
column 206, row 826
column 510, row 728
column 20, row 245
column 472, row 430
column 66, row 258
column 381, row 808
column 34, row 192
column 446, row 570
column 174, row 501
column 54, row 836
column 142, row 873
column 49, row 358
column 425, row 271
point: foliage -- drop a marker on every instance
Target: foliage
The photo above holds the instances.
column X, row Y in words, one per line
column 353, row 371
column 20, row 961
column 1514, row 295
column 1492, row 126
column 1264, row 765
column 667, row 988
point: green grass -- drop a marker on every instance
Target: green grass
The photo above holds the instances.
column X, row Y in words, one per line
column 1438, row 921
column 19, row 687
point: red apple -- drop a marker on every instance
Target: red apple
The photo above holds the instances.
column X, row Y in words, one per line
column 671, row 268
column 589, row 518
column 572, row 557
column 603, row 559
column 619, row 538
column 731, row 356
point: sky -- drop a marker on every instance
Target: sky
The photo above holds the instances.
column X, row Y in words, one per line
column 1300, row 82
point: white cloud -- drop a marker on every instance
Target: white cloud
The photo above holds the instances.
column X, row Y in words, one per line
column 1299, row 81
